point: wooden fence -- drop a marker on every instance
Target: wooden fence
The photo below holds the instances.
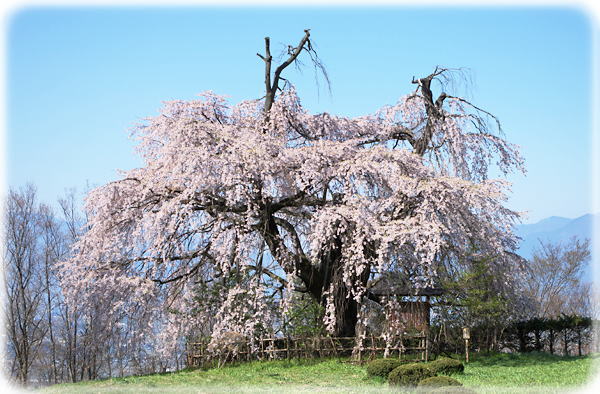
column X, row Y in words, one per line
column 413, row 346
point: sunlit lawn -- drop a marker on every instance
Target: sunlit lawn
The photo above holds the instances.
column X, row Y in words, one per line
column 534, row 371
column 497, row 373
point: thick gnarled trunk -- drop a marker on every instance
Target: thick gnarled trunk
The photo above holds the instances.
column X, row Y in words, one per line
column 346, row 307
column 320, row 279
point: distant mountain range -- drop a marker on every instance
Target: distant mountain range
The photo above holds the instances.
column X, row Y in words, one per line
column 556, row 229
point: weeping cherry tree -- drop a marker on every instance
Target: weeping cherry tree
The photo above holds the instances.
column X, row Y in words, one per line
column 236, row 207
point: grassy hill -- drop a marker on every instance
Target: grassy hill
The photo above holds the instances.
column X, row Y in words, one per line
column 532, row 373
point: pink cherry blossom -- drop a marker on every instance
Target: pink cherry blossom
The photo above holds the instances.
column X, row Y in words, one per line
column 293, row 201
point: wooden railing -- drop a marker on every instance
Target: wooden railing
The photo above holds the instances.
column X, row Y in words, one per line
column 401, row 346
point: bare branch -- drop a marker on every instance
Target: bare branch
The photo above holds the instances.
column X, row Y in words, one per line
column 462, row 100
column 273, row 87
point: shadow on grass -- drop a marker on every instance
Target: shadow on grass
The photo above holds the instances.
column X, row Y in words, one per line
column 266, row 365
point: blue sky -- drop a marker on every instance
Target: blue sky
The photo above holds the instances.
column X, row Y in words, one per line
column 79, row 78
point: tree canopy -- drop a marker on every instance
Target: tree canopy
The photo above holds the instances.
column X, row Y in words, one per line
column 262, row 199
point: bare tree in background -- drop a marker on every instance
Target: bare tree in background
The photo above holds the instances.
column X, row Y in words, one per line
column 53, row 248
column 48, row 340
column 69, row 315
column 25, row 287
column 554, row 279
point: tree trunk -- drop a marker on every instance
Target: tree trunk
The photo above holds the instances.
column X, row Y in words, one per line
column 319, row 279
column 50, row 325
column 522, row 343
column 347, row 308
column 538, row 342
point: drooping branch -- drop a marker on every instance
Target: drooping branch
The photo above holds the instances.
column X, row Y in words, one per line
column 185, row 256
column 179, row 277
column 462, row 100
column 293, row 235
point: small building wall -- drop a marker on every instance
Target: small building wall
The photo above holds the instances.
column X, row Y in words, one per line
column 410, row 315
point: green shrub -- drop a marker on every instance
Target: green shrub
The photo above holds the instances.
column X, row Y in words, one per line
column 382, row 367
column 409, row 374
column 305, row 317
column 446, row 366
column 439, row 381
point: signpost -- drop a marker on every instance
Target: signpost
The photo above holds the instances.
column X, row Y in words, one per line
column 466, row 337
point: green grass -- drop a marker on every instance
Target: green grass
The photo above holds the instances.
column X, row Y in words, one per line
column 534, row 371
column 493, row 373
column 298, row 375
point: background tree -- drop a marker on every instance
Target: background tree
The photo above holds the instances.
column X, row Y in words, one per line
column 553, row 279
column 282, row 201
column 25, row 282
column 477, row 299
column 48, row 340
column 557, row 309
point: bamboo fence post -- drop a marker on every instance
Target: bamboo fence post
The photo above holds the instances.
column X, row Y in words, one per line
column 295, row 341
column 262, row 347
column 401, row 347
